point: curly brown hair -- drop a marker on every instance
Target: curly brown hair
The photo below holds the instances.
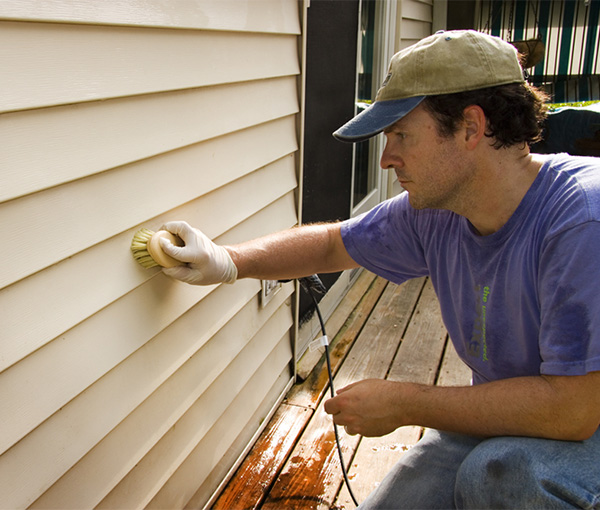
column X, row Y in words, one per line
column 515, row 112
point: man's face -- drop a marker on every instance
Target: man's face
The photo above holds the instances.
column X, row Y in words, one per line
column 433, row 170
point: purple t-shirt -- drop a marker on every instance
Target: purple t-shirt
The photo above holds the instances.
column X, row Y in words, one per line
column 522, row 301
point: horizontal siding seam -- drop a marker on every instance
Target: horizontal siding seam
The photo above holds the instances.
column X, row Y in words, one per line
column 103, row 64
column 262, row 18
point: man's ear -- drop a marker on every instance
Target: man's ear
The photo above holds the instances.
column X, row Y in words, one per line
column 474, row 125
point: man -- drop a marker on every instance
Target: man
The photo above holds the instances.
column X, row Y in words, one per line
column 510, row 241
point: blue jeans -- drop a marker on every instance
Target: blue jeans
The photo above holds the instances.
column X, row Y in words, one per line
column 445, row 471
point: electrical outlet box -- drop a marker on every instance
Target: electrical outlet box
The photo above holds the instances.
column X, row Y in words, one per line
column 269, row 289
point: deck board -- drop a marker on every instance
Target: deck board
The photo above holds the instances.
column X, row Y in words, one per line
column 311, row 391
column 417, row 360
column 393, row 332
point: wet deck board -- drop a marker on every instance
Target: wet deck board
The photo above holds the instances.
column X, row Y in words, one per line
column 391, row 331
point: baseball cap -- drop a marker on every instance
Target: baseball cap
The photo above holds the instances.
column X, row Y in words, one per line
column 444, row 63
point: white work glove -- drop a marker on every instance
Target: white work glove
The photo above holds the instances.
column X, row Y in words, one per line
column 206, row 262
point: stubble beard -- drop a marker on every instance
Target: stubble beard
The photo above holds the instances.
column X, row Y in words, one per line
column 450, row 194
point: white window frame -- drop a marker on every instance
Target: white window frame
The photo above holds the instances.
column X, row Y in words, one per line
column 385, row 25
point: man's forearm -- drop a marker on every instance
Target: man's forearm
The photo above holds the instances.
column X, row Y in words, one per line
column 566, row 408
column 549, row 407
column 293, row 253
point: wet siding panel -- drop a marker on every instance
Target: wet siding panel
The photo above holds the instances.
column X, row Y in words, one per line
column 115, row 119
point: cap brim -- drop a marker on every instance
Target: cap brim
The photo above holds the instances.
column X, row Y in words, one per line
column 376, row 118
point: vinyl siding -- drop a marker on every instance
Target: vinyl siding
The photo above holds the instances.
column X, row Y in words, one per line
column 414, row 21
column 120, row 387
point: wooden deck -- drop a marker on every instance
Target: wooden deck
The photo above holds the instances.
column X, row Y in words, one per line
column 379, row 330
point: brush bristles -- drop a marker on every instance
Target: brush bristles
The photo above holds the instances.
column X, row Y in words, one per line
column 139, row 248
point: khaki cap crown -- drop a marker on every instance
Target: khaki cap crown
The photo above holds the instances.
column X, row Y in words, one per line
column 450, row 62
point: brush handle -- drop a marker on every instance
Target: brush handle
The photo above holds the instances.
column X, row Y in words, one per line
column 159, row 256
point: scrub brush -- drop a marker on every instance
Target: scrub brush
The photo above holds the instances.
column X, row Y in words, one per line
column 146, row 249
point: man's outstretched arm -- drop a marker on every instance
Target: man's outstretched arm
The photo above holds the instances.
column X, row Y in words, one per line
column 293, row 253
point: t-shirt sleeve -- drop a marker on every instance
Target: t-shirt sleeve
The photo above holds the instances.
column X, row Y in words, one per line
column 385, row 241
column 570, row 302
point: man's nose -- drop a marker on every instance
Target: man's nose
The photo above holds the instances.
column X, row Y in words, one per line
column 388, row 159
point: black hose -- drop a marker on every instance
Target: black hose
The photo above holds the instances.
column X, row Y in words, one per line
column 312, row 284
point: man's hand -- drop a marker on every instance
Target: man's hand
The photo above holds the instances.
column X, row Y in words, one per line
column 369, row 407
column 206, row 262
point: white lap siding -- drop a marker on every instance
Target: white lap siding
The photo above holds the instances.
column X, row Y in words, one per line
column 119, row 387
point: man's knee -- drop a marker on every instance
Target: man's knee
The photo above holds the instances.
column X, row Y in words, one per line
column 513, row 473
column 491, row 476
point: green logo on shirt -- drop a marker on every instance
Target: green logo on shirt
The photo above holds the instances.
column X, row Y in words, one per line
column 477, row 346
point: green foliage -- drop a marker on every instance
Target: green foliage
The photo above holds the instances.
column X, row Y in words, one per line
column 556, row 106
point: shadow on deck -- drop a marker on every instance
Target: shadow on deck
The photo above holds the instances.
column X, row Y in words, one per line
column 383, row 331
